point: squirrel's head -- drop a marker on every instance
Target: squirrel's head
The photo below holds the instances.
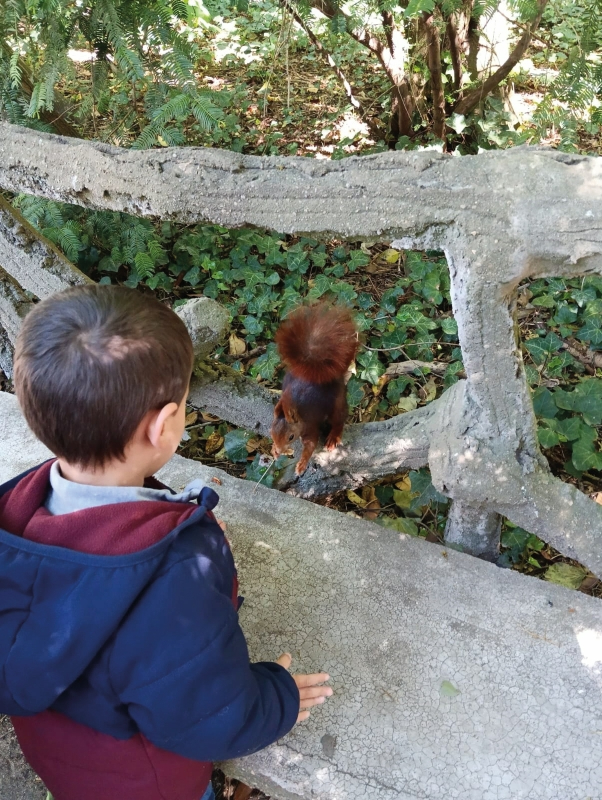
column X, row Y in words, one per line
column 285, row 429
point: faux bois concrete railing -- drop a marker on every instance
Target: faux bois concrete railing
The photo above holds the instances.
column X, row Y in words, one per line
column 500, row 217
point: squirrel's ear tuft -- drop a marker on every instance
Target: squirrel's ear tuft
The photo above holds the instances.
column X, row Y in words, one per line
column 292, row 415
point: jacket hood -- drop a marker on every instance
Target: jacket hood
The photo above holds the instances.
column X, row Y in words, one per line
column 67, row 582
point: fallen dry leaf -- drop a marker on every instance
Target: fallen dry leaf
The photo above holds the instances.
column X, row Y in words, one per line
column 191, row 418
column 428, row 392
column 405, row 484
column 390, row 256
column 237, row 345
column 354, row 498
column 214, row 442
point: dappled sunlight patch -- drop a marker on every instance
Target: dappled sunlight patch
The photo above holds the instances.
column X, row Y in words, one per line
column 590, row 643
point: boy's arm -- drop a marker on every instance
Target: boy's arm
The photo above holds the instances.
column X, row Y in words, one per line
column 180, row 663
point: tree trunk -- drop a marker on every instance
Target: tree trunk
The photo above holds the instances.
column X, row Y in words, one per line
column 433, row 45
column 402, row 110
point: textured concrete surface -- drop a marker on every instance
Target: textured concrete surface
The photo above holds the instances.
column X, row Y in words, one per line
column 207, row 323
column 452, row 678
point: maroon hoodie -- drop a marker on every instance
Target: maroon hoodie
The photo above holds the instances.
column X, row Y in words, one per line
column 66, row 754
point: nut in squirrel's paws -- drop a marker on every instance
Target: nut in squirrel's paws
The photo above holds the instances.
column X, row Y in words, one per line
column 332, row 442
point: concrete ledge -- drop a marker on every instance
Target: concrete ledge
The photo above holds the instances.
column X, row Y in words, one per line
column 452, row 678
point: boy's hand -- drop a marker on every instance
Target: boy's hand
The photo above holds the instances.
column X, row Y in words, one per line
column 310, row 692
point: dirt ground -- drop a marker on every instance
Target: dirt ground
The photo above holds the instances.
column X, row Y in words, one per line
column 17, row 781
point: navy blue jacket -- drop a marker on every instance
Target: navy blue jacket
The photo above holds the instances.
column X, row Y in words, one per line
column 147, row 642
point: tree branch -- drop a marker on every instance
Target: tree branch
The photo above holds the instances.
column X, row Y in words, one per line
column 473, row 98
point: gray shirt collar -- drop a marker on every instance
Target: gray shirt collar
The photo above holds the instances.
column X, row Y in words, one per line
column 66, row 496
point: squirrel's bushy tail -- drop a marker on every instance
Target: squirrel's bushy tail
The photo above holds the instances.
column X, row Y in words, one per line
column 318, row 343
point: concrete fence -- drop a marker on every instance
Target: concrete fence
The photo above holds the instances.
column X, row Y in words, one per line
column 500, row 217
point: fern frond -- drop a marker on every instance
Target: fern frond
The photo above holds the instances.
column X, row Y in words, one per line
column 206, row 113
column 14, row 71
column 144, row 266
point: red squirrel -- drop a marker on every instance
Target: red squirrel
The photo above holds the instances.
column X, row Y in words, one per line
column 317, row 344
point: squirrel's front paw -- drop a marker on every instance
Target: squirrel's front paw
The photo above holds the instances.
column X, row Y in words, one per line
column 301, row 466
column 333, row 442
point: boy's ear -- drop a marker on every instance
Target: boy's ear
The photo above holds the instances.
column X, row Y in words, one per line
column 156, row 424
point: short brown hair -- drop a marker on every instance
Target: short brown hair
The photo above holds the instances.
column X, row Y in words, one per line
column 91, row 361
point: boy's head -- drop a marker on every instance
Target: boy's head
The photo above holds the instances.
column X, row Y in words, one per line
column 92, row 363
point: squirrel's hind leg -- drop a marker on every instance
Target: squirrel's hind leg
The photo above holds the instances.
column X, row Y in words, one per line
column 337, row 420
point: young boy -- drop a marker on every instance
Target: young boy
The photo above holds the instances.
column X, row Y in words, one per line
column 124, row 668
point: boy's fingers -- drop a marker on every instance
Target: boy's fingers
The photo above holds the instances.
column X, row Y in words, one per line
column 311, row 702
column 303, row 715
column 285, row 660
column 315, row 691
column 311, row 680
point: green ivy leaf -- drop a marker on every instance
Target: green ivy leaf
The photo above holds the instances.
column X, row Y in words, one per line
column 318, row 258
column 429, row 288
column 355, row 392
column 357, row 258
column 400, row 524
column 297, row 261
column 547, row 437
column 266, row 364
column 272, row 279
column 411, row 317
column 565, row 315
column 519, row 542
column 252, row 325
column 543, row 403
column 426, row 493
column 372, row 367
column 235, row 445
column 586, row 398
column 542, row 348
column 193, row 276
column 545, row 301
column 583, row 296
column 591, row 331
column 570, row 428
column 389, row 297
column 345, row 293
column 449, row 326
column 394, row 338
column 451, row 373
column 396, row 388
column 585, row 455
